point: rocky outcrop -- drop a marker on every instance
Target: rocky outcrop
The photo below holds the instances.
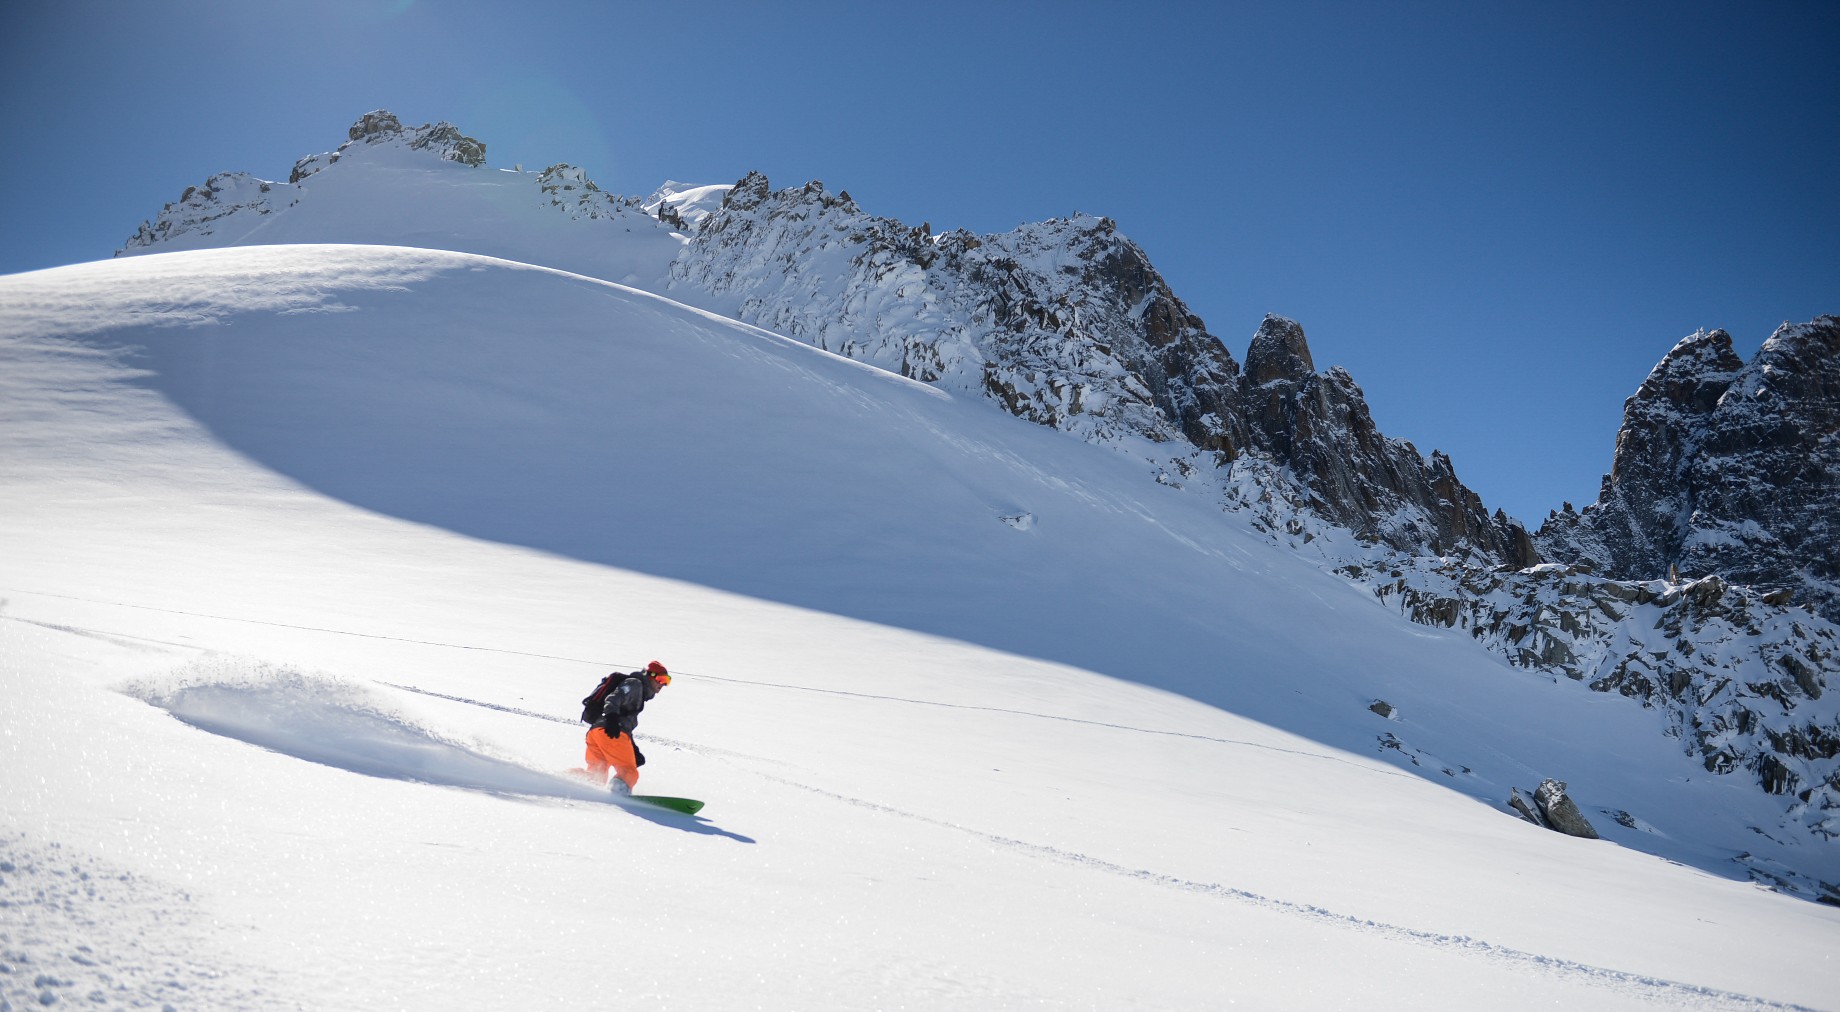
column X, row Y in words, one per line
column 1741, row 677
column 1725, row 467
column 1551, row 808
column 570, row 190
column 201, row 211
column 1561, row 812
column 381, row 126
column 1317, row 425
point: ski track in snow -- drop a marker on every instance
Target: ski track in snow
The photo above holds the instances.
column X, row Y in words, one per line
column 1674, row 993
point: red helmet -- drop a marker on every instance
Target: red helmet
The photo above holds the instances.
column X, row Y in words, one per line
column 658, row 673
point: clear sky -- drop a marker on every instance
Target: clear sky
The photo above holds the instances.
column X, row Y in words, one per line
column 1496, row 216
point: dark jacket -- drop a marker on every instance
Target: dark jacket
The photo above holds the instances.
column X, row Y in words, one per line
column 627, row 696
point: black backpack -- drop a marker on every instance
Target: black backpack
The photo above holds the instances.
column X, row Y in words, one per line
column 630, row 702
column 591, row 706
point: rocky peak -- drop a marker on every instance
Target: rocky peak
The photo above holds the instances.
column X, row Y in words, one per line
column 381, row 127
column 749, row 192
column 1725, row 467
column 1279, row 352
column 1318, row 427
column 1693, row 375
column 1798, row 367
column 568, row 188
column 374, row 125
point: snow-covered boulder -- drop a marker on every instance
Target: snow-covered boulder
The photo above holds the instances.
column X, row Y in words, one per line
column 1562, row 814
column 1551, row 808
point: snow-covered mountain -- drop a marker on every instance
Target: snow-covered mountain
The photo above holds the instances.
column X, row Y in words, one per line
column 376, row 467
column 1066, row 323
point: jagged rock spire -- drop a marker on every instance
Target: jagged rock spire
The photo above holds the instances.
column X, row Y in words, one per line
column 1279, row 352
column 1725, row 467
column 1319, row 427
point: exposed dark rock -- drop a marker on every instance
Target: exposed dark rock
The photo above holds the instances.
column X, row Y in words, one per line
column 1562, row 815
column 1725, row 467
column 1278, row 353
column 1528, row 809
column 1318, row 426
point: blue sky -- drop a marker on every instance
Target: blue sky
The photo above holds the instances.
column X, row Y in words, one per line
column 1496, row 216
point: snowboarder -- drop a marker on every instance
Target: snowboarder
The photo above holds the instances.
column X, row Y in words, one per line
column 613, row 708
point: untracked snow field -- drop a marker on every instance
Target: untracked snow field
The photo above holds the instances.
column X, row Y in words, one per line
column 308, row 553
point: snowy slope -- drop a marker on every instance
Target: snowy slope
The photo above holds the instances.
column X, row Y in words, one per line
column 310, row 551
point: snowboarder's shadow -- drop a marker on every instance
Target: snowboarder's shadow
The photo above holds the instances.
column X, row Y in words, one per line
column 687, row 823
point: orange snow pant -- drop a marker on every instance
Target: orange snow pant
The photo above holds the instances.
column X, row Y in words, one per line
column 604, row 752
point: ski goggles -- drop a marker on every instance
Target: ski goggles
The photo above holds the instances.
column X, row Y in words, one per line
column 662, row 679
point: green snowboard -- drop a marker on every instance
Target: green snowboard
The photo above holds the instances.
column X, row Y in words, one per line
column 687, row 806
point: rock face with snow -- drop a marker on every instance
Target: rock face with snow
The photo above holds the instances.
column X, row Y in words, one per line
column 382, row 127
column 201, row 211
column 1063, row 322
column 1067, row 324
column 1740, row 679
column 1725, row 467
column 1318, row 427
column 570, row 189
